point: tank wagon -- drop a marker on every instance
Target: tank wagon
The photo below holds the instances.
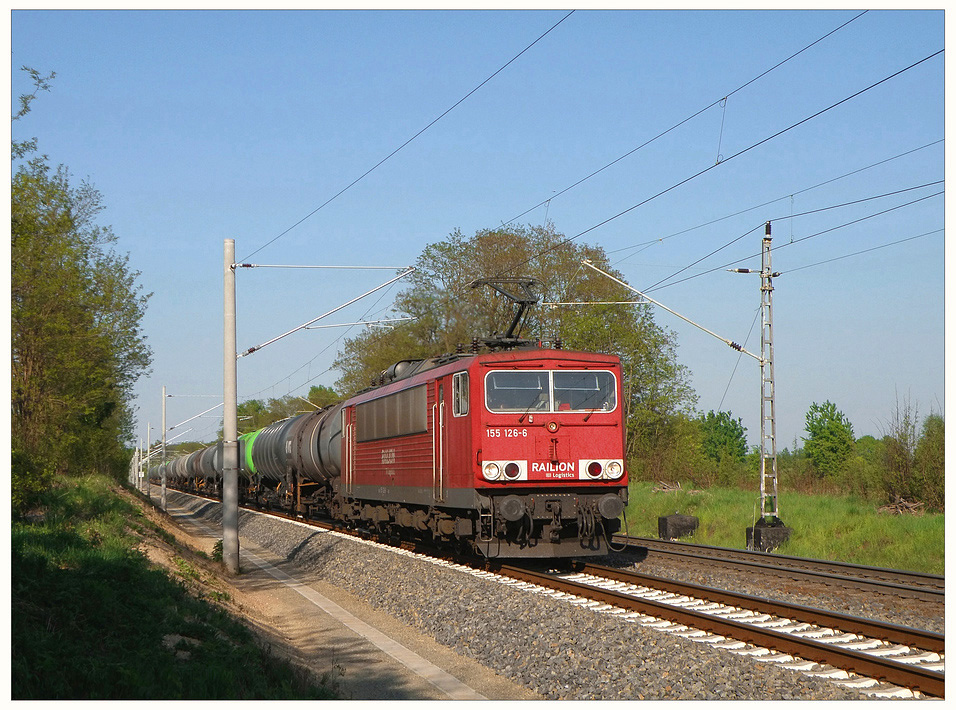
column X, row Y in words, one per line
column 516, row 453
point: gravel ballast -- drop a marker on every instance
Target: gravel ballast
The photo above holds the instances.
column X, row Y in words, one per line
column 556, row 649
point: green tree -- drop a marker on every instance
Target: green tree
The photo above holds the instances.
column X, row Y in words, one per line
column 252, row 415
column 448, row 312
column 76, row 311
column 255, row 413
column 724, row 442
column 866, row 471
column 724, row 438
column 831, row 443
column 930, row 463
column 322, row 396
column 40, row 83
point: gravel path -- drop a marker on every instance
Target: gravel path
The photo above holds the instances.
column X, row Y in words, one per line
column 552, row 647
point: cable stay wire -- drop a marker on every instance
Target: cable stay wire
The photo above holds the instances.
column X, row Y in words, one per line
column 650, row 242
column 307, row 266
column 436, row 120
column 739, row 355
column 862, row 219
column 755, row 145
column 704, row 258
column 321, row 352
column 747, row 339
column 723, row 100
column 256, row 348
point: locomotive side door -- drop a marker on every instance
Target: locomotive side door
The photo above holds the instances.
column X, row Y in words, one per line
column 348, row 449
column 438, row 442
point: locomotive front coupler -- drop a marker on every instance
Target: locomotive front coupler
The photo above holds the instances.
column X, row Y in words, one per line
column 554, row 529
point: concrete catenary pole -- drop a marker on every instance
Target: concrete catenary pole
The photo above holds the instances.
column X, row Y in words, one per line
column 230, row 424
column 144, row 485
column 162, row 460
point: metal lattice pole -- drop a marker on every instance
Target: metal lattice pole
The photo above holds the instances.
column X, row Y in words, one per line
column 768, row 425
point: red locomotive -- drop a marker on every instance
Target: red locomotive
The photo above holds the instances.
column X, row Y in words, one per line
column 520, row 452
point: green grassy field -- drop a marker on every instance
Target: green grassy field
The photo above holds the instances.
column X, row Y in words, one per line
column 91, row 619
column 846, row 529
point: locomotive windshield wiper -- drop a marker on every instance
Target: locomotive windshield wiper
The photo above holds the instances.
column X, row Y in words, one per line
column 536, row 400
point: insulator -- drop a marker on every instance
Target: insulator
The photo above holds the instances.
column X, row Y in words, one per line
column 735, row 346
column 557, row 343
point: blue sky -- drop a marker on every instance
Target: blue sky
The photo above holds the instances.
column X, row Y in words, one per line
column 202, row 126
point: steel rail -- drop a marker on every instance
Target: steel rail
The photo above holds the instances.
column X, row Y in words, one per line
column 927, row 681
column 917, row 585
column 872, row 628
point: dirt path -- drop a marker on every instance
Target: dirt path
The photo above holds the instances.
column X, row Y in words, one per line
column 362, row 653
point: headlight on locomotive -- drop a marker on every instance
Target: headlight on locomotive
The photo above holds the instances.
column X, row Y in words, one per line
column 504, row 471
column 491, row 471
column 595, row 469
column 615, row 469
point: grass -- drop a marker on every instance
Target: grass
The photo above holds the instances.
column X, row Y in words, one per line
column 92, row 619
column 846, row 529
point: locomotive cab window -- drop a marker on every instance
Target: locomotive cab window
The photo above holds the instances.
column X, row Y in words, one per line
column 518, row 391
column 585, row 390
column 558, row 391
column 460, row 394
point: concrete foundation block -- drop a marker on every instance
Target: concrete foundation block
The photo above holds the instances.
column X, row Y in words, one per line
column 672, row 527
column 767, row 536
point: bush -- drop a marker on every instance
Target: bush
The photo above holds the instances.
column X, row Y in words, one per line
column 28, row 481
column 929, row 464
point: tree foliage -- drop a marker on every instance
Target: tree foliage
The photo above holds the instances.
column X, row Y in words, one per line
column 448, row 312
column 830, row 444
column 76, row 309
column 724, row 438
column 255, row 414
column 930, row 464
column 901, row 437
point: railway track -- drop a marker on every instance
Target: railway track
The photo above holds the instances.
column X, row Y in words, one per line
column 884, row 660
column 860, row 652
column 900, row 583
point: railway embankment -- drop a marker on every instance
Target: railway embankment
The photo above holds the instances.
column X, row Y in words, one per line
column 557, row 649
column 109, row 601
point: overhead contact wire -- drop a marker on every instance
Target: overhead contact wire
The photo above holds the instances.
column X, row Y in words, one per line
column 727, row 160
column 689, row 118
column 447, row 111
column 803, row 239
column 800, row 214
column 643, row 245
